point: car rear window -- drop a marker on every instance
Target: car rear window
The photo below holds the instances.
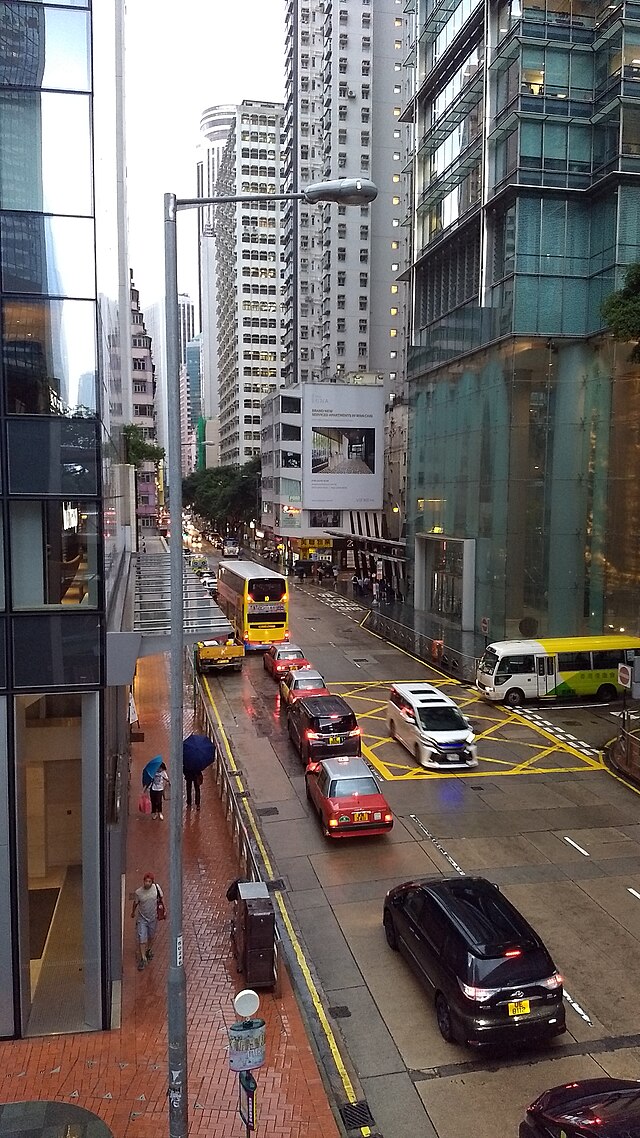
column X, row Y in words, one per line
column 328, row 724
column 291, row 654
column 441, row 719
column 500, row 972
column 344, row 787
column 307, row 683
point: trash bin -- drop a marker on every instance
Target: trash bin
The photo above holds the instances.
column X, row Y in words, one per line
column 254, row 934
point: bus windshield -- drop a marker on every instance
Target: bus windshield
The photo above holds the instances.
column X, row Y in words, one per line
column 267, row 589
column 488, row 662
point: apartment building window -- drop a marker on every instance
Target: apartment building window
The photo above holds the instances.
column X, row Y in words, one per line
column 366, row 90
column 366, row 67
column 396, row 156
column 366, row 19
column 342, row 158
column 397, row 89
column 342, row 231
column 364, row 256
column 393, row 355
column 362, row 326
column 394, row 288
column 342, row 211
column 397, row 45
column 364, row 137
column 365, row 114
column 342, row 90
column 342, row 280
column 139, row 365
column 362, row 303
column 393, row 311
column 341, row 324
column 364, row 161
column 397, row 111
column 139, row 388
column 395, row 244
column 342, row 41
column 342, row 114
column 340, row 347
column 342, row 253
column 362, row 348
column 342, row 65
column 340, row 302
column 364, row 232
column 395, row 179
column 395, row 267
column 366, row 43
column 395, row 200
column 364, row 280
column 342, row 138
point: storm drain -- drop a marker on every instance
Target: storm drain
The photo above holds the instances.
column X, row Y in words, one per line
column 267, row 811
column 340, row 1012
column 356, row 1114
column 276, row 885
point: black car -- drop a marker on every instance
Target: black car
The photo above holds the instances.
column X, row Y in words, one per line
column 491, row 976
column 303, row 568
column 609, row 1108
column 323, row 727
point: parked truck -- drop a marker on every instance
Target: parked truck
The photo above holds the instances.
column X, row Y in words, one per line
column 219, row 655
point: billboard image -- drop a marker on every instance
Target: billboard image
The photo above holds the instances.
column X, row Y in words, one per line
column 343, row 450
column 343, row 439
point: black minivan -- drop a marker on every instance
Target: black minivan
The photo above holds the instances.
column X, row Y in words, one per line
column 323, row 727
column 492, row 978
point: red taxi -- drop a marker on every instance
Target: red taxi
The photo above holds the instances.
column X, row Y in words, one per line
column 347, row 798
column 284, row 657
column 301, row 682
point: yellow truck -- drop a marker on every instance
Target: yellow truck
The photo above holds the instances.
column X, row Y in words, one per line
column 219, row 655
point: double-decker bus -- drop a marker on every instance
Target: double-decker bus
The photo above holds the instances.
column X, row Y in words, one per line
column 516, row 670
column 256, row 601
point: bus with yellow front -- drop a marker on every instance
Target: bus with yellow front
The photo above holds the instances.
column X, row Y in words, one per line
column 513, row 671
column 256, row 602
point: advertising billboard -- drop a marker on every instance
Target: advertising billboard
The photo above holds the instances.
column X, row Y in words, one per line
column 343, row 441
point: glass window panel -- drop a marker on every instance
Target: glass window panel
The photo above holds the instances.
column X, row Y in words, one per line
column 57, row 457
column 555, row 142
column 531, row 143
column 46, row 47
column 557, row 68
column 54, row 255
column 54, row 554
column 57, row 650
column 45, row 153
column 49, row 356
column 630, row 131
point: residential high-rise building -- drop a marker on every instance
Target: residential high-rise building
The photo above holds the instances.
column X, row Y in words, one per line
column 214, row 129
column 249, row 291
column 144, row 413
column 523, row 497
column 344, row 307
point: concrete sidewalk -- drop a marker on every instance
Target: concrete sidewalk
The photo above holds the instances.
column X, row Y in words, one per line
column 122, row 1075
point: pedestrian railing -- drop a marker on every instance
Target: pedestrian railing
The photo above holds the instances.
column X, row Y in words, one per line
column 624, row 753
column 428, row 648
column 232, row 793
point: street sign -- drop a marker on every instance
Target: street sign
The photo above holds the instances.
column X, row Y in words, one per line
column 247, row 1099
column 624, row 675
column 484, row 625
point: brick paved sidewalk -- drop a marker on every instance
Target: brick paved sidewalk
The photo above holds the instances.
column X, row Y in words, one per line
column 122, row 1075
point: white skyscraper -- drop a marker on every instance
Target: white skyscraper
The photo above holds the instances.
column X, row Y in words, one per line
column 248, row 261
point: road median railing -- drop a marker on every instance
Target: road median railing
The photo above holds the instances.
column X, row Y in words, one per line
column 624, row 753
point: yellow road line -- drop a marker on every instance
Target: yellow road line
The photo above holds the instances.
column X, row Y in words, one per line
column 297, row 948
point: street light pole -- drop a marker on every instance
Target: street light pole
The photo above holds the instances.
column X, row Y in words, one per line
column 348, row 191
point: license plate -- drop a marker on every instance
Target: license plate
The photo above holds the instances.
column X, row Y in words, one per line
column 361, row 816
column 335, row 739
column 519, row 1008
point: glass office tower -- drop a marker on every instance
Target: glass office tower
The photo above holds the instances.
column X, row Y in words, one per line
column 523, row 501
column 61, row 240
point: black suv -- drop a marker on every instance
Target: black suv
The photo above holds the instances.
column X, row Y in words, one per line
column 323, row 727
column 492, row 978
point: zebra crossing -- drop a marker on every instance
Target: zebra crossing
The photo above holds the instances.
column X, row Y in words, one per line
column 336, row 601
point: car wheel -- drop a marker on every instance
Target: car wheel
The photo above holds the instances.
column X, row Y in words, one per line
column 607, row 693
column 514, row 697
column 390, row 931
column 443, row 1016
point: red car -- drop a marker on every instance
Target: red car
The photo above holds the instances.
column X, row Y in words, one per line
column 347, row 798
column 282, row 657
column 301, row 681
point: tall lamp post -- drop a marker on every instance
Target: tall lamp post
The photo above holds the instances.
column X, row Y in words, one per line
column 346, row 191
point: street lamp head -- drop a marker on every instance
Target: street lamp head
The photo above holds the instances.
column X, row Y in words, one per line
column 345, row 191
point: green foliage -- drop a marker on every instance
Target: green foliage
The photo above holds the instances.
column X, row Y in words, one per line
column 137, row 449
column 621, row 311
column 224, row 494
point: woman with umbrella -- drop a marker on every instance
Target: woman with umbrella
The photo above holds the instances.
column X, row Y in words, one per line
column 155, row 778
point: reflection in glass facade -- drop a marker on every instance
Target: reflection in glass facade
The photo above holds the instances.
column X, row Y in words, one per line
column 523, row 414
column 61, row 228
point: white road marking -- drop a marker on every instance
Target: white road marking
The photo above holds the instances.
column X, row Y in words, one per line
column 576, row 1007
column 440, row 848
column 576, row 846
column 633, row 892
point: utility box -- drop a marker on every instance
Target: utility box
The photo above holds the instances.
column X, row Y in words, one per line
column 254, row 934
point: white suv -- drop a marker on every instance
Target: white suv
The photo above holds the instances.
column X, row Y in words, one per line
column 431, row 726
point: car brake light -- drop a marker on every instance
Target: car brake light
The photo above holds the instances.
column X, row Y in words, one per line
column 513, row 952
column 478, row 995
column 249, row 597
column 356, row 731
column 552, row 982
column 287, row 636
column 333, row 822
column 388, row 817
column 310, row 734
column 313, row 767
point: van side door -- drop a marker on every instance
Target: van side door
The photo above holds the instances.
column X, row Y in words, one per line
column 546, row 674
column 435, row 927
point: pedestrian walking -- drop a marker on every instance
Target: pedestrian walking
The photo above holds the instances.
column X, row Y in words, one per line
column 355, row 581
column 157, row 788
column 193, row 782
column 145, row 910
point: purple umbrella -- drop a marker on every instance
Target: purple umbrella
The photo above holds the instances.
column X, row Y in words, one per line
column 198, row 752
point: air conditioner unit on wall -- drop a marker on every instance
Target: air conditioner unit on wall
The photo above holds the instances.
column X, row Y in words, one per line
column 351, row 94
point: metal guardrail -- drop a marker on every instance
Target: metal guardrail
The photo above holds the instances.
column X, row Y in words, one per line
column 427, row 648
column 244, row 844
column 624, row 753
